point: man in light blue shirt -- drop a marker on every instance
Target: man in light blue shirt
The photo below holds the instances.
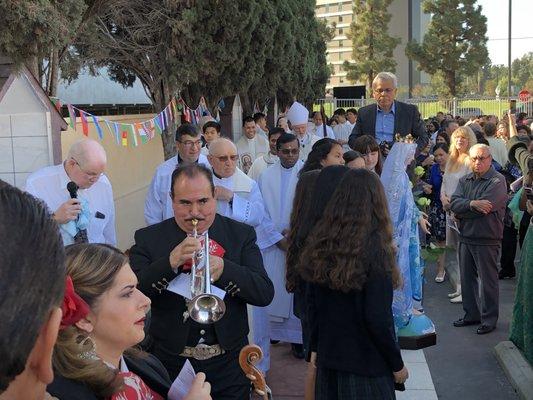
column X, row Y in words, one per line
column 385, row 124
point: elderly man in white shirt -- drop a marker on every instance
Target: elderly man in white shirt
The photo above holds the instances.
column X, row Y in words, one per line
column 158, row 204
column 84, row 166
column 239, row 198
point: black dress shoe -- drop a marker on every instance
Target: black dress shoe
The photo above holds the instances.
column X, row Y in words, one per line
column 506, row 274
column 297, row 350
column 461, row 322
column 274, row 341
column 483, row 329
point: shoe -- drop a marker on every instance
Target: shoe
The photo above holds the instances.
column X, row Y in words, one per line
column 483, row 329
column 297, row 350
column 454, row 294
column 440, row 278
column 274, row 341
column 461, row 322
column 457, row 300
column 506, row 274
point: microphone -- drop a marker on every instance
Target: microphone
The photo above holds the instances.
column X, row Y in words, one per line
column 72, row 189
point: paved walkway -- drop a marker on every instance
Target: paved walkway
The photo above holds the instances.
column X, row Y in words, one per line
column 461, row 366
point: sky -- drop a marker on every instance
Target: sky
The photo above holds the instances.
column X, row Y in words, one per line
column 497, row 13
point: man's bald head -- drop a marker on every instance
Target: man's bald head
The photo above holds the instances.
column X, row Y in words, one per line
column 87, row 150
column 223, row 157
column 86, row 162
column 221, row 145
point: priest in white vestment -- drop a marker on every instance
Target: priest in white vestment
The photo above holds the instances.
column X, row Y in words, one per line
column 278, row 184
column 239, row 198
column 268, row 159
column 251, row 145
column 298, row 116
column 158, row 204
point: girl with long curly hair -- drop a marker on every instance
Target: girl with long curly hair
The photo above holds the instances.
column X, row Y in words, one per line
column 349, row 261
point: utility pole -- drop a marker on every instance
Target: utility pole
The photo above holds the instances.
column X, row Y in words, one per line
column 509, row 52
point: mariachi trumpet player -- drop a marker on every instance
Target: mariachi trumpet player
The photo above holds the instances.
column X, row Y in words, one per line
column 164, row 251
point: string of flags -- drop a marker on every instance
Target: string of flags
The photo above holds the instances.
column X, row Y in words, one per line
column 133, row 133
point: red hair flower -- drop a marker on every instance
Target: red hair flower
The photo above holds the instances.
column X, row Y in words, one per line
column 74, row 307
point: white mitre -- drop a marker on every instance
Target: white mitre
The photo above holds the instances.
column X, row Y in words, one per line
column 298, row 114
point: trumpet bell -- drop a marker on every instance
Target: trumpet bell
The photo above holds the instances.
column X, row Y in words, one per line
column 206, row 308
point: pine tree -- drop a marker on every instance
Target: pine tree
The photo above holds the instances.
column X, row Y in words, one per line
column 455, row 44
column 372, row 45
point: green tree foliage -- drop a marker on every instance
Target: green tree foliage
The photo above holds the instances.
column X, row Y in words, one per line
column 37, row 33
column 372, row 45
column 455, row 44
column 257, row 48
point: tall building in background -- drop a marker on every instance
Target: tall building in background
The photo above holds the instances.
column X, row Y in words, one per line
column 407, row 22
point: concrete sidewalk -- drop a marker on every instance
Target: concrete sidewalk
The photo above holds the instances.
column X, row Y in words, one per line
column 286, row 377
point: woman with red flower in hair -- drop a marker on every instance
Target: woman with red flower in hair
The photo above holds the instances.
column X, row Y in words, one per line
column 103, row 317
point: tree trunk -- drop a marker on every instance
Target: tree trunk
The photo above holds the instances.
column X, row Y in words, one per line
column 161, row 97
column 53, row 73
column 451, row 82
column 33, row 66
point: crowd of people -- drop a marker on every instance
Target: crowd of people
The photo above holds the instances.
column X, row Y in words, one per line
column 315, row 228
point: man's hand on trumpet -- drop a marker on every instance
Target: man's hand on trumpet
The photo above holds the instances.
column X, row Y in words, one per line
column 216, row 265
column 184, row 251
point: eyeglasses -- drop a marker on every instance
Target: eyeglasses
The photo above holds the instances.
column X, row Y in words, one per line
column 479, row 158
column 91, row 175
column 233, row 158
column 190, row 143
column 386, row 90
column 293, row 152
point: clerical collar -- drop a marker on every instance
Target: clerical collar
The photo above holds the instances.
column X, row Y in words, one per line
column 180, row 160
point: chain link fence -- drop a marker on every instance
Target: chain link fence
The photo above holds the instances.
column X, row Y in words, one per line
column 464, row 107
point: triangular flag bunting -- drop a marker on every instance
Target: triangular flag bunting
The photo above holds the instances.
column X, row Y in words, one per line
column 84, row 124
column 98, row 127
column 72, row 116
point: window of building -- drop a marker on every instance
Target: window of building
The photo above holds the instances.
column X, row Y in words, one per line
column 340, row 43
column 340, row 5
column 341, row 31
column 327, row 8
column 340, row 18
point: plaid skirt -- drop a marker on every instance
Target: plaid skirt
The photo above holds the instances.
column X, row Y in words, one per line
column 340, row 385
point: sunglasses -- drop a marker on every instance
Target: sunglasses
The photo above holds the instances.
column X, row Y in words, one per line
column 227, row 158
column 293, row 152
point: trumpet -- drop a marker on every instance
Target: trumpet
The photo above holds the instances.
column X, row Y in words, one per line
column 204, row 307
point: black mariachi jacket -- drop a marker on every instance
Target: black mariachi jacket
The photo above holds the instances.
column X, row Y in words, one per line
column 244, row 279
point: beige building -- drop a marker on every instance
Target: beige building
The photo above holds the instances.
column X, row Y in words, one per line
column 407, row 22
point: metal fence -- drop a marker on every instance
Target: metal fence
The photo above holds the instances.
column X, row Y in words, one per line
column 464, row 107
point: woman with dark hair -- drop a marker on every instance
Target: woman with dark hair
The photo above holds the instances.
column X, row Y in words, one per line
column 325, row 152
column 103, row 318
column 437, row 215
column 350, row 293
column 442, row 137
column 354, row 159
column 369, row 148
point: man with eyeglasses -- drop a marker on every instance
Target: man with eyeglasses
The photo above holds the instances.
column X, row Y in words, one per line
column 479, row 207
column 387, row 117
column 158, row 204
column 92, row 209
column 278, row 184
column 239, row 198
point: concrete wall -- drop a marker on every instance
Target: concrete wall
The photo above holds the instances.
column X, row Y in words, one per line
column 130, row 170
column 25, row 133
